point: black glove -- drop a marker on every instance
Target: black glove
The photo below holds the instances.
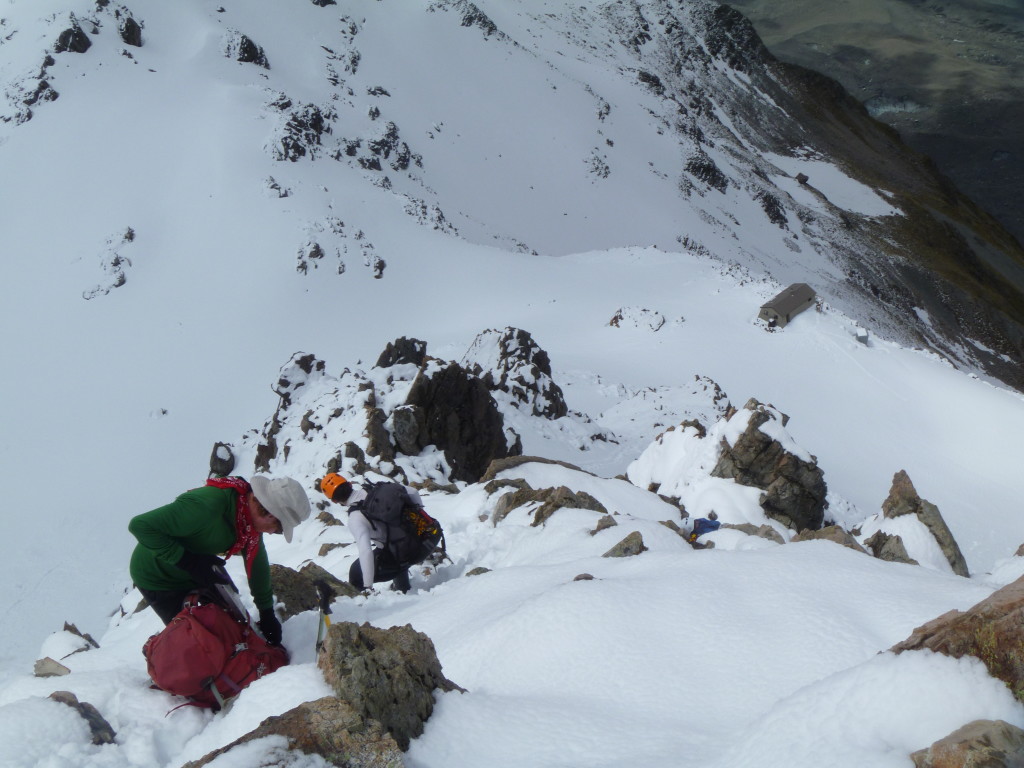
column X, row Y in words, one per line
column 206, row 570
column 269, row 626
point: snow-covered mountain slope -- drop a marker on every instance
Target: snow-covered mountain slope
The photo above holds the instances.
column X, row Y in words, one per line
column 577, row 128
column 177, row 223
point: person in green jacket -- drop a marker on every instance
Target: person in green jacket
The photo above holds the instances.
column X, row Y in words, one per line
column 181, row 545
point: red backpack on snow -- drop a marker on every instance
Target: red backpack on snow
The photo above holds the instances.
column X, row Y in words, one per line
column 208, row 656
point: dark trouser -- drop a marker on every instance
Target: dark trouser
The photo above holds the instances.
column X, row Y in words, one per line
column 167, row 604
column 385, row 568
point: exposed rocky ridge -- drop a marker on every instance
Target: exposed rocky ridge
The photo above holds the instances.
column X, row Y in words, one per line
column 414, row 416
column 441, row 406
column 421, row 420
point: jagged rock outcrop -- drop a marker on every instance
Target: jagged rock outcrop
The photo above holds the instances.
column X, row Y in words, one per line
column 102, row 732
column 396, row 408
column 512, row 362
column 403, row 351
column 241, row 48
column 903, row 499
column 295, row 374
column 387, row 675
column 549, row 501
column 297, row 590
column 329, row 727
column 302, row 130
column 979, row 744
column 72, row 39
column 794, row 489
column 461, row 418
column 129, row 30
column 992, row 630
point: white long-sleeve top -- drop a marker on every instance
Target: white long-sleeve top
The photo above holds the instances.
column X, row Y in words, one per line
column 366, row 535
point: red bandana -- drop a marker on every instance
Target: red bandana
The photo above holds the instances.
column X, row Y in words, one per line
column 248, row 538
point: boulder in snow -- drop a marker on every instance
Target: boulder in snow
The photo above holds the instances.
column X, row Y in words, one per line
column 549, row 501
column 992, row 630
column 298, row 372
column 637, row 317
column 387, row 675
column 889, row 547
column 102, row 732
column 47, row 667
column 831, row 533
column 632, row 545
column 992, row 743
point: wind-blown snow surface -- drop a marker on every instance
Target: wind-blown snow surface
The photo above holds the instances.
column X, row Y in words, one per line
column 110, row 405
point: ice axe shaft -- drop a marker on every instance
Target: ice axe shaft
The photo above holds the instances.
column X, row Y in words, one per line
column 228, row 597
column 325, row 595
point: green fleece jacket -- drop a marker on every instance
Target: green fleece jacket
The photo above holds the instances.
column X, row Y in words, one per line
column 202, row 521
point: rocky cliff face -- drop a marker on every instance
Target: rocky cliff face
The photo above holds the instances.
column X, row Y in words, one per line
column 947, row 76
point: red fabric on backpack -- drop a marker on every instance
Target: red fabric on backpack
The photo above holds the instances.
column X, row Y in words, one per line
column 204, row 646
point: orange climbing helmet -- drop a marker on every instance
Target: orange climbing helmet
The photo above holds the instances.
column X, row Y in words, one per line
column 335, row 487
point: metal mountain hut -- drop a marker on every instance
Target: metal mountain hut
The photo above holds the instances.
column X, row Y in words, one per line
column 787, row 304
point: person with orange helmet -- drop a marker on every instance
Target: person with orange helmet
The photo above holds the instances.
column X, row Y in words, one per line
column 386, row 547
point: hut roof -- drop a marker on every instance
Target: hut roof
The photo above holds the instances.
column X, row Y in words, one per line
column 797, row 295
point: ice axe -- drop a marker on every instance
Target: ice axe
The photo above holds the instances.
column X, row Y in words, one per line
column 228, row 597
column 325, row 595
